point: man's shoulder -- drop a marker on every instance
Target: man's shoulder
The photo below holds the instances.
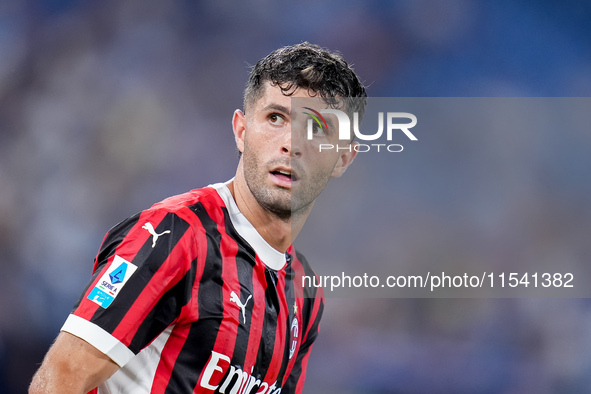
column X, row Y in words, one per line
column 169, row 220
column 299, row 257
column 299, row 260
column 303, row 269
column 178, row 207
column 206, row 195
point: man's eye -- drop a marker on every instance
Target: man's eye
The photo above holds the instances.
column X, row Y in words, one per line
column 318, row 130
column 276, row 119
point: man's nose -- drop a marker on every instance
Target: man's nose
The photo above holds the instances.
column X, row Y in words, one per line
column 292, row 144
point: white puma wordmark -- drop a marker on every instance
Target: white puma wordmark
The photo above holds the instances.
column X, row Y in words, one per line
column 148, row 226
column 235, row 299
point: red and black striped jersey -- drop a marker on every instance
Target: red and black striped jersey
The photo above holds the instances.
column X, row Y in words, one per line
column 187, row 297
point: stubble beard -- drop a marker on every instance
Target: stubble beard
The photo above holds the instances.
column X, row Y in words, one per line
column 277, row 202
column 281, row 202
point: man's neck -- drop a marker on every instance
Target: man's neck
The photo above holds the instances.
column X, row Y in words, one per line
column 278, row 233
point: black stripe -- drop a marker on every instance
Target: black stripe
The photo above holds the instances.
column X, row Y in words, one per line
column 309, row 291
column 289, row 297
column 298, row 369
column 203, row 333
column 314, row 329
column 148, row 260
column 113, row 238
column 310, row 301
column 245, row 263
column 166, row 310
column 267, row 345
column 244, row 246
column 244, row 268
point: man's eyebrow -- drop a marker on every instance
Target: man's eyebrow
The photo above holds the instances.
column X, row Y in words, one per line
column 329, row 122
column 276, row 107
column 325, row 118
column 281, row 108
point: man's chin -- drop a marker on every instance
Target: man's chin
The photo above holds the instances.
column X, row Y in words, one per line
column 276, row 201
column 281, row 211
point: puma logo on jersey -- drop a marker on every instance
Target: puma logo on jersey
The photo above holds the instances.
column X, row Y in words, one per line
column 235, row 299
column 148, row 226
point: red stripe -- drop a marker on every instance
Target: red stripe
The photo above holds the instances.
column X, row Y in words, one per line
column 300, row 272
column 258, row 315
column 298, row 269
column 96, row 261
column 279, row 349
column 302, row 377
column 136, row 238
column 172, row 270
column 300, row 339
column 228, row 330
column 170, row 353
column 317, row 301
column 190, row 313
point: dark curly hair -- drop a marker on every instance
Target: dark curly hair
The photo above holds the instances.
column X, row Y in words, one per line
column 311, row 67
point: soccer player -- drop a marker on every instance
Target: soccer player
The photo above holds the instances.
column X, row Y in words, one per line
column 199, row 293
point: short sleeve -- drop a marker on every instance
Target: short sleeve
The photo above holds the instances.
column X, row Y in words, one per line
column 143, row 275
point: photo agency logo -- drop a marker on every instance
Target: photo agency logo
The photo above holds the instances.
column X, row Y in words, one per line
column 396, row 122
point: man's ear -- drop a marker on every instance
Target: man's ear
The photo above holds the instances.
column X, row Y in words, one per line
column 239, row 127
column 345, row 159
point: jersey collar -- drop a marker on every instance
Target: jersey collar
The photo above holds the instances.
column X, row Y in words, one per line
column 272, row 258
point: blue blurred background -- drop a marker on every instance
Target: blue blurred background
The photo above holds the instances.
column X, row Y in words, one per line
column 107, row 107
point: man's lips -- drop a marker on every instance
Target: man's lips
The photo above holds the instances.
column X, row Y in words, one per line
column 284, row 176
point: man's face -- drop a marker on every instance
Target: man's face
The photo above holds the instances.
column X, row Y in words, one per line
column 283, row 170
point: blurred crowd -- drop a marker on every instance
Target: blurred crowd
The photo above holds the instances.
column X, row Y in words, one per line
column 107, row 107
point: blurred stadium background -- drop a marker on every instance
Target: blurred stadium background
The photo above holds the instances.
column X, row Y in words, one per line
column 107, row 107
